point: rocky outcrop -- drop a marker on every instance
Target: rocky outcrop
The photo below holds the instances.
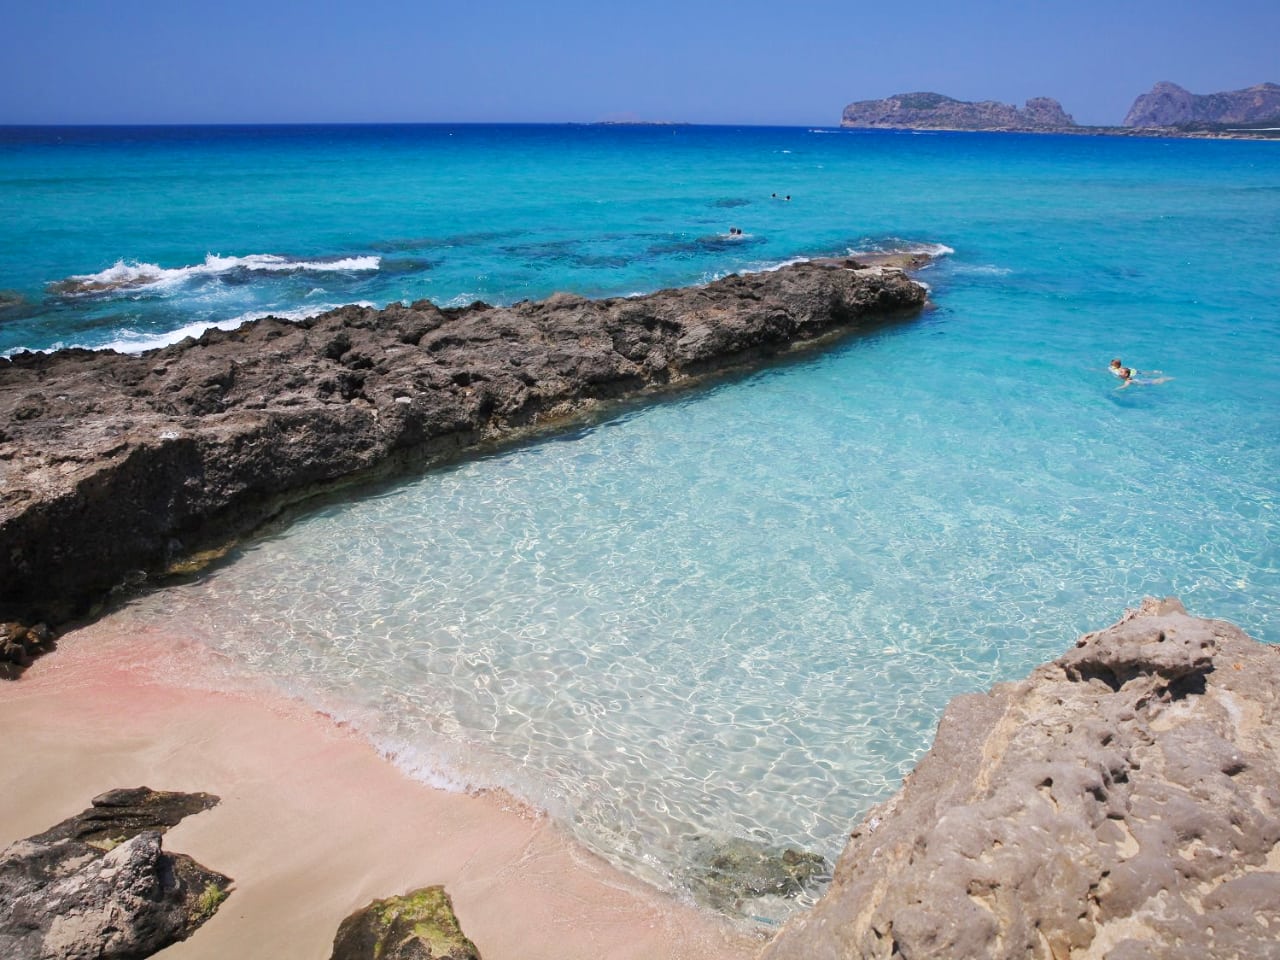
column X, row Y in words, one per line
column 1169, row 105
column 100, row 885
column 112, row 464
column 418, row 926
column 933, row 111
column 1122, row 802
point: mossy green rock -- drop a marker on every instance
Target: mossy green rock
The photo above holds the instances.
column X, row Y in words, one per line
column 418, row 926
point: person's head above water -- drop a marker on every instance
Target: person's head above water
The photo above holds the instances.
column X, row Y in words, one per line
column 1120, row 370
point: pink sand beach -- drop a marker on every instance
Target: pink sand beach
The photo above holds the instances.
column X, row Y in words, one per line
column 313, row 823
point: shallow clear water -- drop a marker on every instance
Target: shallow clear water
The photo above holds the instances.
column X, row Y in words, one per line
column 740, row 612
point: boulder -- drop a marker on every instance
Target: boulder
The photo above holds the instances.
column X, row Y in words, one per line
column 1123, row 801
column 417, row 926
column 101, row 887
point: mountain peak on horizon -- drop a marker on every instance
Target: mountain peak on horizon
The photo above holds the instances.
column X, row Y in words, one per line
column 1168, row 105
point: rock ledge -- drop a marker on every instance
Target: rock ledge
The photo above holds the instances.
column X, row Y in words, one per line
column 1121, row 802
column 115, row 465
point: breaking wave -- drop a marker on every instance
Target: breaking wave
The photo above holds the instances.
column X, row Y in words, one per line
column 903, row 246
column 133, row 341
column 131, row 275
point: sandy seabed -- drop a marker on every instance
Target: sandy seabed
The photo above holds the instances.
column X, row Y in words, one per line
column 312, row 822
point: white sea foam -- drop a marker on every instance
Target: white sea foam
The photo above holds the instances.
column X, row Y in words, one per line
column 898, row 246
column 463, row 300
column 132, row 341
column 785, row 263
column 131, row 275
column 985, row 270
column 419, row 762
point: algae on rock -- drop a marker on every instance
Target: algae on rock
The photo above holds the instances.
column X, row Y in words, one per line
column 420, row 925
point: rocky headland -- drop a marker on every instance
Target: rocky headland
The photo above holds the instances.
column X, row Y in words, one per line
column 118, row 466
column 1121, row 802
column 1168, row 105
column 1166, row 111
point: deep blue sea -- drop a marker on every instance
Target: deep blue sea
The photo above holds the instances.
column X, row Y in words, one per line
column 739, row 613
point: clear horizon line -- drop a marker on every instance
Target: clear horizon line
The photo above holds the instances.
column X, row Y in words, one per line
column 409, row 123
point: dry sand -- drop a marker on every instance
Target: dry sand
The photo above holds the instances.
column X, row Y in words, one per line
column 313, row 823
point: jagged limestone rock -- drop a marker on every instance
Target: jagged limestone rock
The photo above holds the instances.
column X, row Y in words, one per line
column 99, row 886
column 1120, row 802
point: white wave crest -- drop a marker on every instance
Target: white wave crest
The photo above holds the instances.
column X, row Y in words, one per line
column 985, row 270
column 896, row 246
column 131, row 275
column 418, row 762
column 132, row 341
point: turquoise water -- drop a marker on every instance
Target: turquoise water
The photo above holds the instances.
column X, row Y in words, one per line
column 738, row 613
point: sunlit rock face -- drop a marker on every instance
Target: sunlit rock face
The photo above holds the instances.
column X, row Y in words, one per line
column 1169, row 105
column 1122, row 801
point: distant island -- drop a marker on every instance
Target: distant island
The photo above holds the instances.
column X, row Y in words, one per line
column 933, row 111
column 1168, row 110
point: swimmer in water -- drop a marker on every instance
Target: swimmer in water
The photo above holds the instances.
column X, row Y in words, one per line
column 1129, row 375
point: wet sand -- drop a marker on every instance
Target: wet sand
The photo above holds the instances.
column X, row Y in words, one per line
column 313, row 823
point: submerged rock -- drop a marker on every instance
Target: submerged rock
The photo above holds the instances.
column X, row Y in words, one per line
column 418, row 926
column 118, row 466
column 1122, row 801
column 731, row 873
column 12, row 305
column 100, row 886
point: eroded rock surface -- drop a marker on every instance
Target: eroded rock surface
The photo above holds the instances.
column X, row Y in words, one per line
column 115, row 463
column 1122, row 802
column 101, row 886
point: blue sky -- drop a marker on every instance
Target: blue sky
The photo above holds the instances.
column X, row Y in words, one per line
column 699, row 61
